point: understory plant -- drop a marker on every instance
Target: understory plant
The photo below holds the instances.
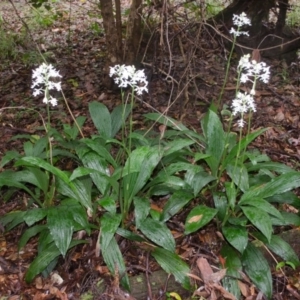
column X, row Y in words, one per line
column 213, row 175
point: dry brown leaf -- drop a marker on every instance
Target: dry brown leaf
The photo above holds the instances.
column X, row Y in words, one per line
column 244, row 288
column 256, row 55
column 204, row 268
column 224, row 292
column 217, row 276
column 279, row 115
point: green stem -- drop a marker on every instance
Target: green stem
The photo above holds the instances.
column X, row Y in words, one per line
column 227, row 72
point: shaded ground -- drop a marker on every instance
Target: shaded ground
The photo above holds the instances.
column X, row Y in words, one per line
column 183, row 81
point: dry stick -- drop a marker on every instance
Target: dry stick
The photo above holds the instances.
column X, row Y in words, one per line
column 147, row 277
column 70, row 112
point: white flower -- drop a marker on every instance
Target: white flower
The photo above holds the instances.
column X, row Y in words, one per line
column 243, row 103
column 41, row 82
column 241, row 20
column 241, row 123
column 125, row 76
column 253, row 69
column 238, row 32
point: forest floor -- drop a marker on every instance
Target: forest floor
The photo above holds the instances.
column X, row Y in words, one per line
column 183, row 82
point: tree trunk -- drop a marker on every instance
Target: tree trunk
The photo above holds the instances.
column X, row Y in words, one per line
column 279, row 42
column 256, row 10
column 133, row 32
column 112, row 23
column 113, row 39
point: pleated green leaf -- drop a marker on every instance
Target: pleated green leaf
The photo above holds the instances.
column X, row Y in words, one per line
column 198, row 217
column 237, row 236
column 158, row 233
column 258, row 269
column 101, row 118
column 60, row 224
column 115, row 263
column 260, row 219
column 172, row 264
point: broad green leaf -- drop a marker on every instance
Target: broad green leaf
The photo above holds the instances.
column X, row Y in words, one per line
column 108, row 203
column 83, row 171
column 158, row 233
column 39, row 146
column 8, row 157
column 38, row 162
column 7, row 179
column 173, row 264
column 177, row 145
column 221, row 205
column 285, row 198
column 118, row 117
column 257, row 268
column 33, row 176
column 129, row 235
column 34, row 215
column 191, row 171
column 78, row 213
column 128, row 188
column 93, row 161
column 256, row 157
column 60, row 224
column 175, row 203
column 12, row 219
column 77, row 189
column 72, row 131
column 263, row 205
column 237, row 236
column 139, row 140
column 260, row 219
column 164, row 174
column 281, row 184
column 200, row 180
column 115, row 263
column 29, row 233
column 109, row 226
column 198, row 217
column 215, row 137
column 272, row 166
column 143, row 160
column 200, row 156
column 290, row 219
column 101, row 119
column 97, row 147
column 170, row 185
column 230, row 193
column 233, row 265
column 239, row 175
column 242, row 145
column 141, row 209
column 280, row 247
column 44, row 259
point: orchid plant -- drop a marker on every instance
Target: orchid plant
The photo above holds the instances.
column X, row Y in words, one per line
column 115, row 176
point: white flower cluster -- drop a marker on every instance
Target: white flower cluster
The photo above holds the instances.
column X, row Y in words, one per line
column 250, row 71
column 239, row 21
column 128, row 76
column 254, row 69
column 41, row 82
